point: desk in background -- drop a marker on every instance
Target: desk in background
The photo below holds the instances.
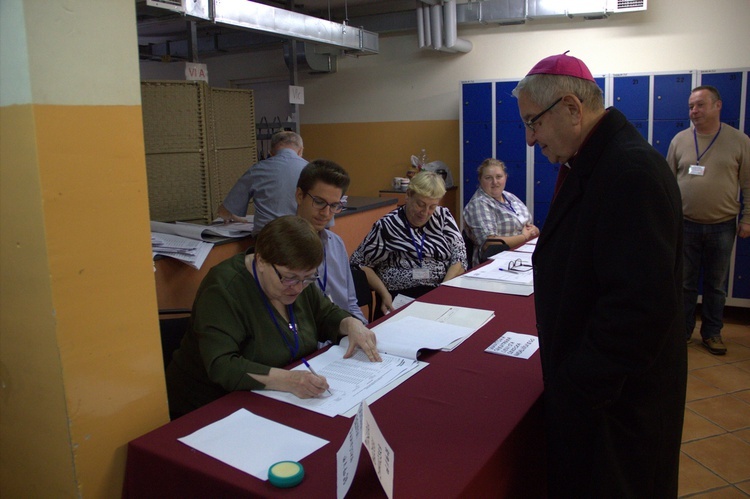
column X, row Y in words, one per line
column 177, row 283
column 468, row 425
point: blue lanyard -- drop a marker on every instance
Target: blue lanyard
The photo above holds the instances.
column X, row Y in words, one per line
column 290, row 311
column 419, row 249
column 695, row 138
column 508, row 206
column 323, row 284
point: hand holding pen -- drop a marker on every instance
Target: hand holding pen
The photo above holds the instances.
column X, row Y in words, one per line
column 309, row 367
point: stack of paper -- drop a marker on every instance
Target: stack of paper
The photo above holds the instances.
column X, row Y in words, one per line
column 449, row 324
column 204, row 232
column 188, row 251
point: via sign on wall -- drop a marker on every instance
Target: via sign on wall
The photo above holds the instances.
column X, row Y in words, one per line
column 195, row 71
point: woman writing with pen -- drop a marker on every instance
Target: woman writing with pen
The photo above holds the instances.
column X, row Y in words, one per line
column 255, row 313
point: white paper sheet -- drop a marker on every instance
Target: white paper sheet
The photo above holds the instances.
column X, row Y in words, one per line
column 186, row 250
column 472, row 318
column 406, row 336
column 251, row 443
column 495, row 273
column 518, row 345
column 491, row 286
column 350, row 380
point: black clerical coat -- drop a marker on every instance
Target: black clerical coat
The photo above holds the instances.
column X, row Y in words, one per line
column 608, row 293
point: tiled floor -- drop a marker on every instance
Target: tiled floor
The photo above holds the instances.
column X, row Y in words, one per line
column 715, row 460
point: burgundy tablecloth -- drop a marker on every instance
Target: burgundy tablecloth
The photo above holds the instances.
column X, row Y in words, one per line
column 468, row 425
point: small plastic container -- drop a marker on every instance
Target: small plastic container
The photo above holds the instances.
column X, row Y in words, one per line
column 285, row 474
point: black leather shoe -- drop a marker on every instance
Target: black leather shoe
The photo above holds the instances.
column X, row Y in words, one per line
column 715, row 345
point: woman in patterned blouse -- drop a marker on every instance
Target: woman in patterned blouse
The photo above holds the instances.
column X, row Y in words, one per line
column 414, row 248
column 494, row 215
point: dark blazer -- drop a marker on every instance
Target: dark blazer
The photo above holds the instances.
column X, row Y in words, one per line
column 608, row 293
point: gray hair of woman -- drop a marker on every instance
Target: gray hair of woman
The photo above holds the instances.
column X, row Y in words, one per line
column 427, row 184
column 290, row 241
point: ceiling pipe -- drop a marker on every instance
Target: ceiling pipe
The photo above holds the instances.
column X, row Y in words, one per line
column 436, row 21
column 437, row 27
column 452, row 41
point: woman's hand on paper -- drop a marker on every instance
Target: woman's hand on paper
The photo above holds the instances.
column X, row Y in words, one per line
column 359, row 337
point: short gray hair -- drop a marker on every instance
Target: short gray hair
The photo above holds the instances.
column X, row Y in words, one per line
column 543, row 89
column 286, row 139
column 428, row 184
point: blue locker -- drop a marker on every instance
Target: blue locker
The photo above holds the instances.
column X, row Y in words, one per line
column 477, row 143
column 729, row 86
column 545, row 177
column 671, row 94
column 516, row 183
column 541, row 209
column 477, row 102
column 506, row 106
column 664, row 132
column 477, row 147
column 631, row 97
column 641, row 126
column 510, row 141
column 600, row 81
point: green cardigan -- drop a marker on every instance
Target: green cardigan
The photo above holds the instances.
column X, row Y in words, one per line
column 232, row 334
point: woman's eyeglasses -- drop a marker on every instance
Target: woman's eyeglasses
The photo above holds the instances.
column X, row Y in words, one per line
column 293, row 281
column 321, row 204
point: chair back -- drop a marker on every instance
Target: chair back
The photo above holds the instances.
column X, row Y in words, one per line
column 363, row 290
column 173, row 324
column 469, row 248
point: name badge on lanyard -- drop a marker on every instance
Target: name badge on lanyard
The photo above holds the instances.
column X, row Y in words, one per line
column 420, row 273
column 696, row 170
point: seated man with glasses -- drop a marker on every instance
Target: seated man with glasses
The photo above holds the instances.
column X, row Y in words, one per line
column 255, row 313
column 321, row 190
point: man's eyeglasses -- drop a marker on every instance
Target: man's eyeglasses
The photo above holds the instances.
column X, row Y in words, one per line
column 293, row 281
column 531, row 123
column 321, row 204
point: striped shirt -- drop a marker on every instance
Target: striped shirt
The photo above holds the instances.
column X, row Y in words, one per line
column 392, row 249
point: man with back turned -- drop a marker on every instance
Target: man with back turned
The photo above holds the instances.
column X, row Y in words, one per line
column 608, row 293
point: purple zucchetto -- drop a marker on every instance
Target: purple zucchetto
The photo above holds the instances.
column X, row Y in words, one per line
column 562, row 64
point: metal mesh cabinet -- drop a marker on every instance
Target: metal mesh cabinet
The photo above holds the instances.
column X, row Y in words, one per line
column 198, row 141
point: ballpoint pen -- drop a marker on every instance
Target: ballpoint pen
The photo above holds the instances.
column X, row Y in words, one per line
column 304, row 361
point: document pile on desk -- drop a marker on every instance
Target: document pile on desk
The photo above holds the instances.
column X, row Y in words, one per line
column 208, row 233
column 191, row 243
column 416, row 327
column 509, row 272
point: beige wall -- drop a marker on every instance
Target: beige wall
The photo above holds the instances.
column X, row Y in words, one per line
column 80, row 356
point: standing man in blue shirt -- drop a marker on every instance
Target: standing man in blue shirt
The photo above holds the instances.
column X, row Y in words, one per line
column 320, row 194
column 270, row 183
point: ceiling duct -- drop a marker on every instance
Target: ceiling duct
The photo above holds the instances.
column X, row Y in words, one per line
column 284, row 23
column 315, row 58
